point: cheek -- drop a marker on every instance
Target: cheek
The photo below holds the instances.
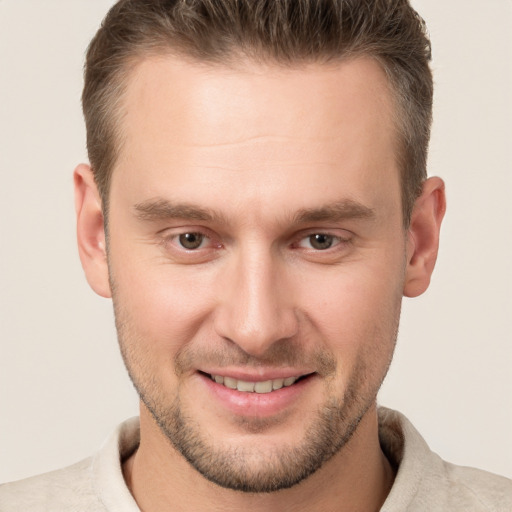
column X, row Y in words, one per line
column 358, row 326
column 356, row 306
column 164, row 306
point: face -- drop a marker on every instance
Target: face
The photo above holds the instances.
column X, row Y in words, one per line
column 257, row 260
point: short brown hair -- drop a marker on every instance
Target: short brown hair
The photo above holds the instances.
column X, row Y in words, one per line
column 287, row 32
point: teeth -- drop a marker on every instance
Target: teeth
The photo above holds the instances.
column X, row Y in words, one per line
column 229, row 382
column 245, row 386
column 289, row 381
column 266, row 386
column 263, row 387
column 277, row 384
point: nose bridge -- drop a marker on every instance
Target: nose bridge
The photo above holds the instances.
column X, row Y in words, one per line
column 256, row 306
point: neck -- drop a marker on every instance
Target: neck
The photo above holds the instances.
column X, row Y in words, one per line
column 358, row 477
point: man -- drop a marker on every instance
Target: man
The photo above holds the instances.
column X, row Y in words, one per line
column 256, row 207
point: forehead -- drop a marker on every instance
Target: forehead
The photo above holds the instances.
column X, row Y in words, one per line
column 264, row 125
column 165, row 88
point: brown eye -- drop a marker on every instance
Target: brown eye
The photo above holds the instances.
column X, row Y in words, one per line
column 191, row 241
column 321, row 241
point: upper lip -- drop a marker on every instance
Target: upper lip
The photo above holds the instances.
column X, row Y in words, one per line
column 257, row 375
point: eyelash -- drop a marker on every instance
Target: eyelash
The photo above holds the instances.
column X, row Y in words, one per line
column 335, row 239
column 339, row 242
column 175, row 237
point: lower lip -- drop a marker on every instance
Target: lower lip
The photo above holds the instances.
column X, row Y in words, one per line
column 257, row 404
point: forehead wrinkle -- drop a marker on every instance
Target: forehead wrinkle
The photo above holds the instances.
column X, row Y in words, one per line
column 260, row 140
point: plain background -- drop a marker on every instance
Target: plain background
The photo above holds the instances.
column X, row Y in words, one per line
column 62, row 383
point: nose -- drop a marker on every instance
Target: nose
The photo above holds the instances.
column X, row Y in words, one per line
column 256, row 307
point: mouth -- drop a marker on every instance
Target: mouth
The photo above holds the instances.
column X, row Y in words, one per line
column 242, row 393
column 261, row 387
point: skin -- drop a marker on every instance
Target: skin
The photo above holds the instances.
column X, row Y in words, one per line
column 257, row 160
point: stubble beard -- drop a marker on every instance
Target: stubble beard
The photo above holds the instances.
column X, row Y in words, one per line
column 249, row 469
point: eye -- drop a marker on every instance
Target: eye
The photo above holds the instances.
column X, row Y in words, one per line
column 191, row 241
column 319, row 241
column 190, row 245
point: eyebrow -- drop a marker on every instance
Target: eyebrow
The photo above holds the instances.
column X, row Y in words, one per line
column 163, row 209
column 335, row 212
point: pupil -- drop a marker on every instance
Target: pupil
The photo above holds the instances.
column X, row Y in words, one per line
column 191, row 240
column 321, row 241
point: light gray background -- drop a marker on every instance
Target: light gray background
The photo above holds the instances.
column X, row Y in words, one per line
column 62, row 383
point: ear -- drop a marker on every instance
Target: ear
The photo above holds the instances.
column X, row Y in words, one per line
column 423, row 236
column 91, row 231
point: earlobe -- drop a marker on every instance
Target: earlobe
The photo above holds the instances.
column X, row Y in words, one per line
column 90, row 230
column 423, row 236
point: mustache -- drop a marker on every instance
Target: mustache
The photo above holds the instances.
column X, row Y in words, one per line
column 282, row 354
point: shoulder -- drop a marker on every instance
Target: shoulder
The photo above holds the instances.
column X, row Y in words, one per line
column 425, row 482
column 474, row 487
column 67, row 489
column 95, row 484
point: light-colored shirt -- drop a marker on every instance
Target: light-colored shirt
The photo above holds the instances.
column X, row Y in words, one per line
column 424, row 482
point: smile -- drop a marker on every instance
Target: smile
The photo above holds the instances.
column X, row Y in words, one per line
column 266, row 386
